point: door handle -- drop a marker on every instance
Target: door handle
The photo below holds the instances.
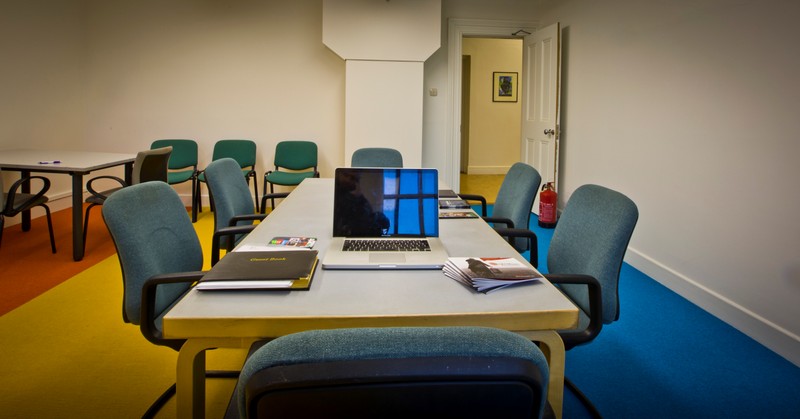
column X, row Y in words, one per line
column 549, row 132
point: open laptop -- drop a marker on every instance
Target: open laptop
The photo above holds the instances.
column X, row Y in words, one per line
column 385, row 219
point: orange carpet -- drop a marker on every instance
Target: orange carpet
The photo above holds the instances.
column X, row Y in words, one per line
column 27, row 266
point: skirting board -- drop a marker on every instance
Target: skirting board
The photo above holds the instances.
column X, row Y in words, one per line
column 774, row 337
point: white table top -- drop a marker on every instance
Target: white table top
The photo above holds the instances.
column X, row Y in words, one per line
column 71, row 160
column 368, row 298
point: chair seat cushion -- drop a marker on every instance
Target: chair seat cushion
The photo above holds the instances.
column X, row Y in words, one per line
column 22, row 201
column 100, row 200
column 288, row 178
column 179, row 177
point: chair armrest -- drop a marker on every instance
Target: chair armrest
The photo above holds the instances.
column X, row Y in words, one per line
column 226, row 232
column 12, row 191
column 90, row 185
column 149, row 293
column 271, row 196
column 471, row 197
column 572, row 339
column 497, row 220
column 245, row 217
column 533, row 241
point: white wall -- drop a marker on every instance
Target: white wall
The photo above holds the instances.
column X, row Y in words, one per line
column 42, row 102
column 691, row 110
column 213, row 70
column 126, row 73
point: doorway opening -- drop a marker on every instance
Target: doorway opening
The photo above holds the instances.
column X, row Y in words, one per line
column 490, row 123
column 461, row 30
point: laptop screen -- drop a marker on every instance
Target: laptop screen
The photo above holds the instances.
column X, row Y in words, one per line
column 371, row 202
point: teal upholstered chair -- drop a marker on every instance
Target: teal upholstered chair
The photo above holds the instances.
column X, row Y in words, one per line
column 458, row 372
column 376, row 157
column 182, row 165
column 244, row 152
column 150, row 165
column 585, row 258
column 512, row 208
column 294, row 162
column 14, row 202
column 234, row 211
column 160, row 257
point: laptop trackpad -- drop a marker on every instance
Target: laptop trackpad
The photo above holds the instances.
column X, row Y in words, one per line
column 387, row 258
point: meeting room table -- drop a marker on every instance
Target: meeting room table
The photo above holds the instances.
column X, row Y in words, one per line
column 367, row 298
column 77, row 164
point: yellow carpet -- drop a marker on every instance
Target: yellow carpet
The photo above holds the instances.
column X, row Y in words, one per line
column 68, row 354
column 486, row 185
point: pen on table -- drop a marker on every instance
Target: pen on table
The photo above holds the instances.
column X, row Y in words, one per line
column 50, row 162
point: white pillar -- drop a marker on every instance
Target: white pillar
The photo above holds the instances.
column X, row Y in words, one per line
column 385, row 44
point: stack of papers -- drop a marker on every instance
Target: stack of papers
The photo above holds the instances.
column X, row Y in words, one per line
column 486, row 274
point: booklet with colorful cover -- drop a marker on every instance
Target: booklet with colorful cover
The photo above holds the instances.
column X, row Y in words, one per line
column 297, row 242
column 486, row 274
column 457, row 214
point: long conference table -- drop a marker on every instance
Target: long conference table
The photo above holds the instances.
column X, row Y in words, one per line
column 344, row 299
column 74, row 163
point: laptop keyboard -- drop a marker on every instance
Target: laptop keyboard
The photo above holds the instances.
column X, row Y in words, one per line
column 386, row 245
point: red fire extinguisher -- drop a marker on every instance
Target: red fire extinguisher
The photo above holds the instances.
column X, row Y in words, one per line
column 548, row 202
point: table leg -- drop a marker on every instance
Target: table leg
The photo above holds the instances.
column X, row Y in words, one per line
column 25, row 188
column 77, row 216
column 190, row 382
column 129, row 173
column 191, row 373
column 553, row 348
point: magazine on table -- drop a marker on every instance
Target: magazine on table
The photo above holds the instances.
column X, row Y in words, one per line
column 486, row 274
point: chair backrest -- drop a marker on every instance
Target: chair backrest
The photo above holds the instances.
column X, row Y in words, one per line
column 228, row 189
column 243, row 151
column 515, row 198
column 151, row 165
column 153, row 235
column 395, row 372
column 296, row 155
column 591, row 238
column 376, row 157
column 184, row 152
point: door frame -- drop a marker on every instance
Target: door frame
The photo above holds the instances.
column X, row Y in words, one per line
column 456, row 31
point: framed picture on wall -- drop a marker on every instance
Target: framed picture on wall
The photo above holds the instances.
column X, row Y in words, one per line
column 504, row 87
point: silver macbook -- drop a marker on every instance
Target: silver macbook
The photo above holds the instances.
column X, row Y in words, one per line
column 385, row 219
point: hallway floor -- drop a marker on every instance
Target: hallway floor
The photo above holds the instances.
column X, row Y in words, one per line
column 486, row 185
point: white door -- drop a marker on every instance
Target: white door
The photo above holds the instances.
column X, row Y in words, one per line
column 541, row 69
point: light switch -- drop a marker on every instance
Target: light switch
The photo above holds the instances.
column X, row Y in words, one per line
column 434, row 91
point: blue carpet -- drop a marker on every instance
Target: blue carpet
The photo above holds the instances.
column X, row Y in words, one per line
column 667, row 358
